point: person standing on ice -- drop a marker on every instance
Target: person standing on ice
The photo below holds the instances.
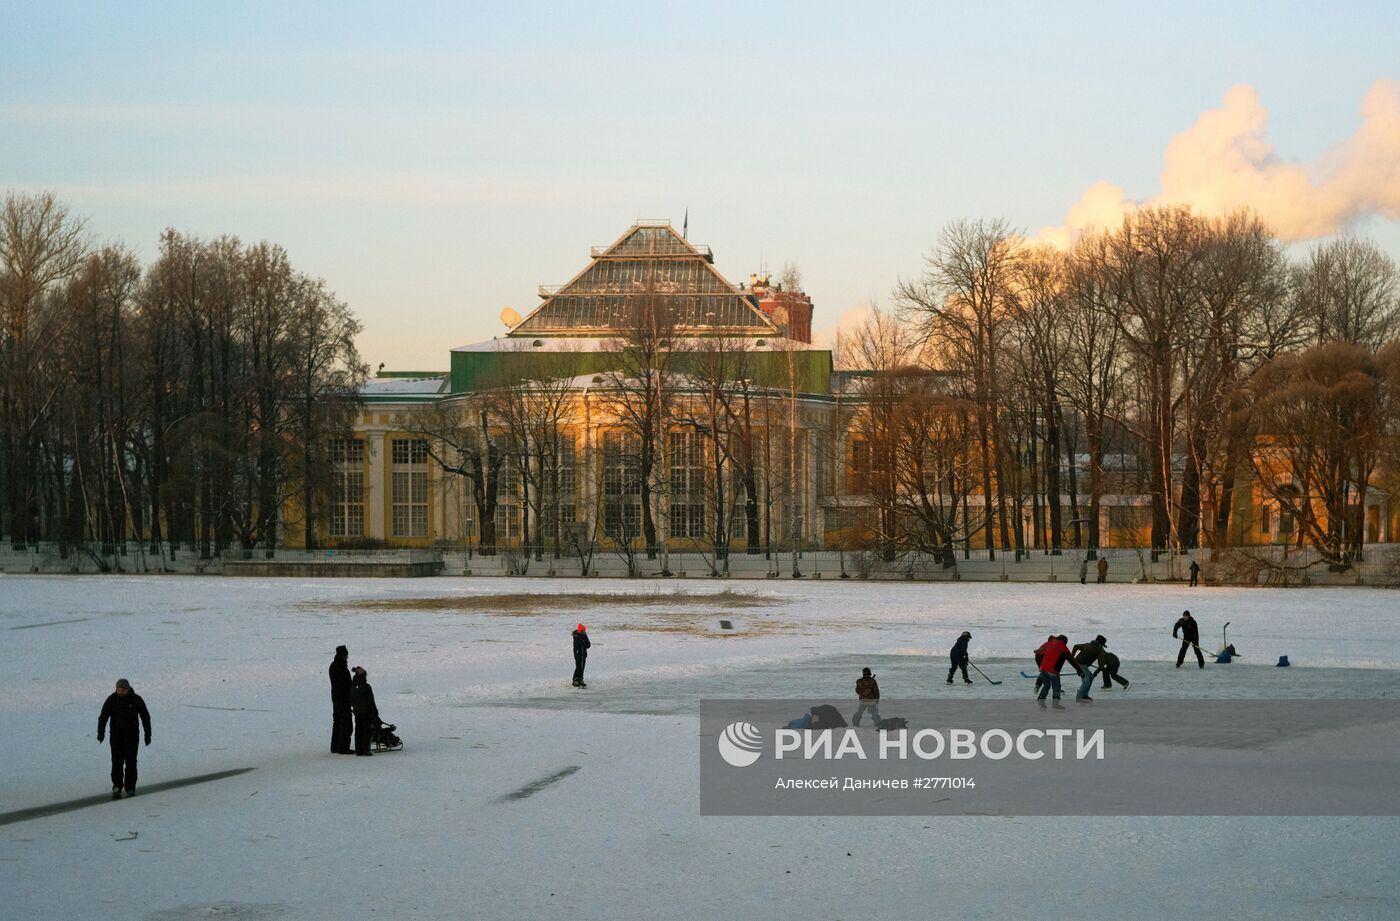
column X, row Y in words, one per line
column 366, row 713
column 1051, row 656
column 1085, row 656
column 125, row 708
column 1195, row 573
column 581, row 645
column 1039, row 679
column 868, row 693
column 340, row 702
column 1084, row 570
column 1103, row 570
column 1190, row 638
column 958, row 656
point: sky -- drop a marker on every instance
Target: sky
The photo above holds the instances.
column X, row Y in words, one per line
column 436, row 163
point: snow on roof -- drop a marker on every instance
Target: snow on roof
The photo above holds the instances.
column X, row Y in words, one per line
column 404, row 386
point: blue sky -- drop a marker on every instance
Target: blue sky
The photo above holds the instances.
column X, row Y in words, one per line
column 436, row 163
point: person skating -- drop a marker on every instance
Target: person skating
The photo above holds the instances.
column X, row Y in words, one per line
column 1051, row 656
column 1103, row 570
column 1058, row 668
column 581, row 645
column 868, row 693
column 1110, row 672
column 366, row 713
column 1084, row 570
column 340, row 703
column 125, row 708
column 1087, row 655
column 958, row 656
column 1195, row 573
column 1190, row 638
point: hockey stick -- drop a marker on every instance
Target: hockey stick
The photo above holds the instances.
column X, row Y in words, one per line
column 983, row 674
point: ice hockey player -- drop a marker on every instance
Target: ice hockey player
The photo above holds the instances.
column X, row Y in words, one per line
column 1051, row 656
column 958, row 655
column 1087, row 655
column 1110, row 672
column 1190, row 638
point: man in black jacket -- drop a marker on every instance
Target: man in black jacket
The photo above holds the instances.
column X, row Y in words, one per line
column 1190, row 638
column 581, row 646
column 366, row 713
column 340, row 702
column 125, row 708
column 958, row 656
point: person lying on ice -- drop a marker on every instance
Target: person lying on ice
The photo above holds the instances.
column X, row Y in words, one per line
column 1087, row 655
column 868, row 692
column 958, row 655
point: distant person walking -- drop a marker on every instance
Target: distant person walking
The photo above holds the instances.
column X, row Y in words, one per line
column 1190, row 638
column 340, row 702
column 581, row 646
column 1103, row 570
column 366, row 713
column 958, row 655
column 1051, row 656
column 1110, row 672
column 1087, row 655
column 868, row 693
column 1084, row 570
column 1195, row 574
column 125, row 708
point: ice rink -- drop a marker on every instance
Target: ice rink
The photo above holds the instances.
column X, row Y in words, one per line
column 519, row 797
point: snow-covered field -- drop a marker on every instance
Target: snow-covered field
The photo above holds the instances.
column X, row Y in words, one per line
column 454, row 826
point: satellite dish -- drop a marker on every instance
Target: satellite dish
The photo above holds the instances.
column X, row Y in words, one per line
column 509, row 316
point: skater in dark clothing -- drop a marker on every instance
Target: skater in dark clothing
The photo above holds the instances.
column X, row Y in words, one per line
column 340, row 703
column 1051, row 656
column 1195, row 573
column 1085, row 656
column 1103, row 570
column 125, row 708
column 1110, row 672
column 1190, row 638
column 868, row 693
column 958, row 655
column 1084, row 570
column 366, row 713
column 581, row 645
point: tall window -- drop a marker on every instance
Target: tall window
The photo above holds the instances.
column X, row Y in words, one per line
column 347, row 456
column 622, row 487
column 687, row 457
column 409, row 494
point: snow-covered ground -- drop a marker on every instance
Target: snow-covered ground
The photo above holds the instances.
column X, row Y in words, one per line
column 234, row 672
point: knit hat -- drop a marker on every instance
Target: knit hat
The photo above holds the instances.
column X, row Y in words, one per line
column 967, row 634
column 865, row 672
column 581, row 628
column 342, row 651
column 123, row 683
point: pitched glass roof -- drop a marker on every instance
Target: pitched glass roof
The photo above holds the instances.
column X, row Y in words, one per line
column 648, row 261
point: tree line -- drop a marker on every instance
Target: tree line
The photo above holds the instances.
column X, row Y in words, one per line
column 1191, row 351
column 187, row 401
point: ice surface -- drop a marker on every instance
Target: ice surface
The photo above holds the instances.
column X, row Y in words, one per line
column 234, row 672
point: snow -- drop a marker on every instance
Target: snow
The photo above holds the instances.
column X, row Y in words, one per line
column 234, row 672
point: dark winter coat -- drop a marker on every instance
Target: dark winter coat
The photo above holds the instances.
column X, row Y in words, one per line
column 959, row 650
column 1190, row 630
column 581, row 644
column 825, row 716
column 125, row 713
column 867, row 688
column 1090, row 653
column 340, row 681
column 362, row 700
column 1110, row 663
